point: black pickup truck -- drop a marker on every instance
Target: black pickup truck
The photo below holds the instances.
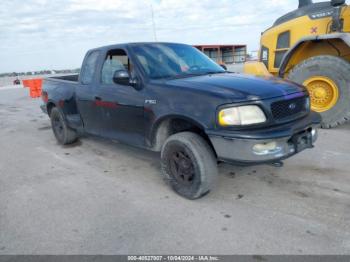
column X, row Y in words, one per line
column 171, row 98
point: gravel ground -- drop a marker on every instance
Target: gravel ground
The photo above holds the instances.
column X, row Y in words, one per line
column 98, row 197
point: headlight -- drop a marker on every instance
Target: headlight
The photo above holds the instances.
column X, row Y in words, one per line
column 241, row 116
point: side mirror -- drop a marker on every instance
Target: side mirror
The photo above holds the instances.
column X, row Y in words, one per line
column 121, row 77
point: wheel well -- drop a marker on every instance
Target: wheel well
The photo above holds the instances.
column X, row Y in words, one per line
column 335, row 47
column 49, row 107
column 172, row 126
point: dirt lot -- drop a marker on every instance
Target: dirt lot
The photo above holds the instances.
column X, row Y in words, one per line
column 98, row 197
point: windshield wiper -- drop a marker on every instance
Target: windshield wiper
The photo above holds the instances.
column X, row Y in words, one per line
column 191, row 75
column 185, row 75
column 215, row 72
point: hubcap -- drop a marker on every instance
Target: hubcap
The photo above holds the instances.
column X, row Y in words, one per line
column 182, row 168
column 323, row 91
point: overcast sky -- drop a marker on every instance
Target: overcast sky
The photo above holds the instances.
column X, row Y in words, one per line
column 50, row 34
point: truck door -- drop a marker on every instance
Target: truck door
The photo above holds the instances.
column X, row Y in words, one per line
column 86, row 94
column 122, row 106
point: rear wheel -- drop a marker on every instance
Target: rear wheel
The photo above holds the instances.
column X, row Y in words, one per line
column 62, row 132
column 327, row 79
column 189, row 164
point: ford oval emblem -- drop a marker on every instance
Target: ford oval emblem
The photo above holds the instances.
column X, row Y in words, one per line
column 292, row 106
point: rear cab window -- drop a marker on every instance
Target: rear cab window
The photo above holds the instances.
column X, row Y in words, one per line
column 89, row 68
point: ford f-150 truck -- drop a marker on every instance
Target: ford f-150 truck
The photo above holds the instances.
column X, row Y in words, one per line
column 171, row 98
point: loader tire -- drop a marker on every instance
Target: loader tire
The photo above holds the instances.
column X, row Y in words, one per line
column 327, row 79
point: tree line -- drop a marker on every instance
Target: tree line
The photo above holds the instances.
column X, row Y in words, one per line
column 41, row 72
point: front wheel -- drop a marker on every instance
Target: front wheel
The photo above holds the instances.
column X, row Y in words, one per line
column 189, row 164
column 327, row 79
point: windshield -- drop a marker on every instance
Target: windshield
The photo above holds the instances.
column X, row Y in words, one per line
column 174, row 61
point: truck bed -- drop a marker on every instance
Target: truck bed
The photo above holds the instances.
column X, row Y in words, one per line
column 60, row 87
column 70, row 78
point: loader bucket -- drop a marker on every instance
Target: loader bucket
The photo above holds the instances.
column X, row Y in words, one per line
column 256, row 68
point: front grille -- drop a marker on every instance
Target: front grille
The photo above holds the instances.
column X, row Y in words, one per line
column 289, row 108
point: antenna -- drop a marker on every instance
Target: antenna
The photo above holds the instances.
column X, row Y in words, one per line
column 154, row 24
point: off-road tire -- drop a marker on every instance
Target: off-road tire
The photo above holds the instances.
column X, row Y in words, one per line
column 64, row 134
column 336, row 69
column 203, row 161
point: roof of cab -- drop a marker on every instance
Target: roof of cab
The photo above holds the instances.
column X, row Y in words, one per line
column 114, row 46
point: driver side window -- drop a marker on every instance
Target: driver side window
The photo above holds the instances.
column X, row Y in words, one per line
column 115, row 60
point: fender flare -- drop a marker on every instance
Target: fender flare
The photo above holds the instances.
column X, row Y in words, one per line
column 153, row 131
column 345, row 37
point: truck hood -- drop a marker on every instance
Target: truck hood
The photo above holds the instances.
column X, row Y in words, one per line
column 239, row 87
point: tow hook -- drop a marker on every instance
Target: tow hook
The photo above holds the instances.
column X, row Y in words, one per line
column 277, row 164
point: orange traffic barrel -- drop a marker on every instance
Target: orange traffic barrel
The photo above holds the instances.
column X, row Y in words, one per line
column 25, row 83
column 35, row 86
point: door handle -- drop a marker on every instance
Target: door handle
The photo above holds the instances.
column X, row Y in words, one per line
column 98, row 98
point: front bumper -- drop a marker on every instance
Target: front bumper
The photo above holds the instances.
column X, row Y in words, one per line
column 266, row 145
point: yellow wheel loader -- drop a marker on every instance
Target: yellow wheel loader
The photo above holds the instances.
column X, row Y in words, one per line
column 311, row 46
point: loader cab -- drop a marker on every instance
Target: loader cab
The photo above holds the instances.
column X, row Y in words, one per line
column 309, row 19
column 311, row 46
column 313, row 10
